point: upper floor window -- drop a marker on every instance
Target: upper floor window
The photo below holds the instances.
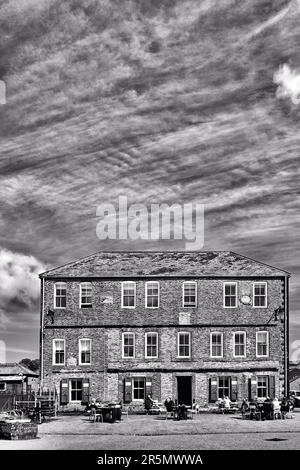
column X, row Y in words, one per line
column 216, row 344
column 262, row 343
column 128, row 294
column 59, row 352
column 152, row 294
column 239, row 344
column 184, row 344
column 260, row 294
column 230, row 294
column 85, row 346
column 151, row 345
column 189, row 294
column 85, row 295
column 60, row 295
column 128, row 340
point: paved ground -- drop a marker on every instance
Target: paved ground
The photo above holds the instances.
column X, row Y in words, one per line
column 206, row 431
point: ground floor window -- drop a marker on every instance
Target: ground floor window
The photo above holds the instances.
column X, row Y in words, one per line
column 262, row 386
column 224, row 387
column 76, row 390
column 2, row 387
column 138, row 388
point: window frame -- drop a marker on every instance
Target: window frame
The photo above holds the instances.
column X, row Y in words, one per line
column 141, row 400
column 266, row 294
column 146, row 293
column 245, row 343
column 4, row 389
column 55, row 295
column 122, row 295
column 81, row 305
column 148, row 333
column 196, row 299
column 54, row 352
column 267, row 385
column 267, row 342
column 80, row 351
column 224, row 377
column 70, row 390
column 123, row 336
column 231, row 283
column 179, row 333
column 211, row 344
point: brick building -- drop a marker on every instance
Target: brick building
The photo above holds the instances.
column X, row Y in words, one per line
column 193, row 325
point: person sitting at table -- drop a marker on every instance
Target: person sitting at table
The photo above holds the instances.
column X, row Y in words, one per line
column 267, row 409
column 148, row 404
column 169, row 404
column 227, row 404
column 244, row 406
column 182, row 412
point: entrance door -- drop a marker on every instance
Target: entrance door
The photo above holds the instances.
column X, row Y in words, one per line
column 184, row 390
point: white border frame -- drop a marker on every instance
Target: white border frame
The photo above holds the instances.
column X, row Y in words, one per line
column 80, row 295
column 53, row 354
column 233, row 340
column 138, row 400
column 54, row 296
column 151, row 333
column 122, row 294
column 146, row 294
column 128, row 333
column 253, row 288
column 79, row 352
column 233, row 283
column 222, row 344
column 190, row 345
column 256, row 344
column 196, row 296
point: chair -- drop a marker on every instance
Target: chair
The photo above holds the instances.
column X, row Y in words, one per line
column 254, row 413
column 170, row 413
column 193, row 411
column 276, row 413
column 96, row 415
column 124, row 411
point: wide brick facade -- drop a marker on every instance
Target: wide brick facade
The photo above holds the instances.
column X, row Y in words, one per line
column 200, row 377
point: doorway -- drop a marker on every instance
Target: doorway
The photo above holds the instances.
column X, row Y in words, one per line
column 184, row 390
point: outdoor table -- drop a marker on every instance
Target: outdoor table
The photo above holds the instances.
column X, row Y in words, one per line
column 108, row 413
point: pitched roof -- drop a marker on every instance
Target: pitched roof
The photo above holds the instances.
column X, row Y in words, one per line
column 294, row 374
column 16, row 369
column 166, row 263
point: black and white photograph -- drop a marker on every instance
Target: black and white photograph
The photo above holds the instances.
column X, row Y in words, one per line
column 149, row 231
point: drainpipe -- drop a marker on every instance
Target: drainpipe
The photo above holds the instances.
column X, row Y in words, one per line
column 286, row 338
column 42, row 337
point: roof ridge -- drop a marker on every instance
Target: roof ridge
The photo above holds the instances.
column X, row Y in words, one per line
column 260, row 262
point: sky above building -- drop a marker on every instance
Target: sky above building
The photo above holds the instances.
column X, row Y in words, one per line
column 161, row 101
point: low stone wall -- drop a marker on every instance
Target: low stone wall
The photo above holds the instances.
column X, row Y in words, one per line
column 15, row 430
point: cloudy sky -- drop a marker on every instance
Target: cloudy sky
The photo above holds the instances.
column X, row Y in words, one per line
column 158, row 100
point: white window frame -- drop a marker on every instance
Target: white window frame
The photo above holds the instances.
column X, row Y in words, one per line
column 178, row 344
column 4, row 389
column 141, row 400
column 267, row 388
column 122, row 296
column 211, row 345
column 146, row 293
column 54, row 350
column 156, row 335
column 266, row 296
column 80, row 295
column 70, row 390
column 236, row 294
column 245, row 343
column 183, row 285
column 80, row 351
column 262, row 355
column 54, row 297
column 123, row 335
